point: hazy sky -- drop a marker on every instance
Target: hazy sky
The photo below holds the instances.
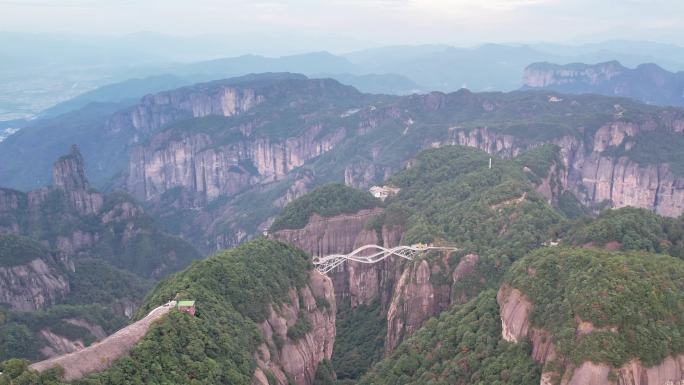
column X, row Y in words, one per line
column 344, row 24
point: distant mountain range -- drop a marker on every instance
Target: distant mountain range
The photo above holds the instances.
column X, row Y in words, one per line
column 390, row 70
column 647, row 82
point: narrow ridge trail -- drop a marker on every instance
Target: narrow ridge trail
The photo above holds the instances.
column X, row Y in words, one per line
column 100, row 355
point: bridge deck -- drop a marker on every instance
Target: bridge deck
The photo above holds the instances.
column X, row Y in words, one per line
column 378, row 253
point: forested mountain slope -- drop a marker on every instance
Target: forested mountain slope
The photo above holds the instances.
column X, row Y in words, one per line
column 66, row 247
column 597, row 317
column 264, row 317
column 226, row 156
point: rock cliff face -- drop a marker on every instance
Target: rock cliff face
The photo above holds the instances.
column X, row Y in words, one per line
column 546, row 74
column 155, row 111
column 514, row 310
column 35, row 285
column 198, row 148
column 58, row 345
column 281, row 356
column 423, row 291
column 648, row 82
column 211, row 151
column 207, row 171
column 355, row 282
column 415, row 299
column 593, row 174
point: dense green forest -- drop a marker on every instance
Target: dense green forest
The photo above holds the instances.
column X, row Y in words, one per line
column 326, row 201
column 94, row 281
column 360, row 339
column 18, row 250
column 450, row 195
column 461, row 346
column 639, row 294
column 630, row 228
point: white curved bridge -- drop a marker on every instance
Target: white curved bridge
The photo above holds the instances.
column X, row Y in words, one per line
column 378, row 253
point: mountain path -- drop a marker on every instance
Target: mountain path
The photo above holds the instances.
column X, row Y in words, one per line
column 100, row 355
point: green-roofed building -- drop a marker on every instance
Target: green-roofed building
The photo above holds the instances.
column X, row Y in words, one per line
column 186, row 307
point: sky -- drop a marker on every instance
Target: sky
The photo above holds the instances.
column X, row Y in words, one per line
column 339, row 25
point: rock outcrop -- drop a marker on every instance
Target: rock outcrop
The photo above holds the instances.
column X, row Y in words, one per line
column 57, row 345
column 36, row 285
column 68, row 176
column 515, row 308
column 68, row 172
column 72, row 218
column 283, row 356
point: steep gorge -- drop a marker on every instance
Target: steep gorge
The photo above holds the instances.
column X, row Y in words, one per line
column 409, row 292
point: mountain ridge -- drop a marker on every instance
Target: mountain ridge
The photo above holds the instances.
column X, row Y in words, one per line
column 647, row 82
